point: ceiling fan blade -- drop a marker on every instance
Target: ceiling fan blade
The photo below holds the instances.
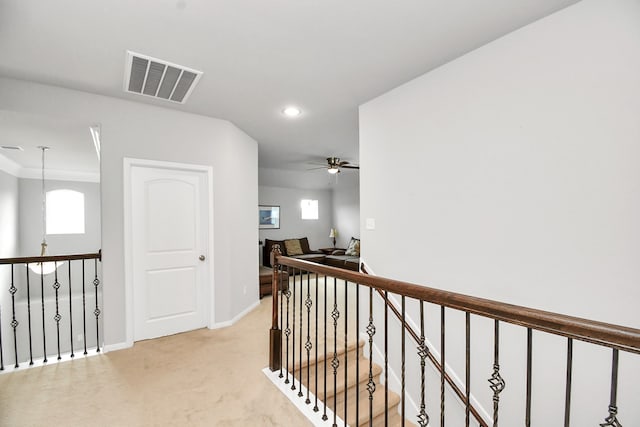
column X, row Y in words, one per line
column 350, row 167
column 315, row 169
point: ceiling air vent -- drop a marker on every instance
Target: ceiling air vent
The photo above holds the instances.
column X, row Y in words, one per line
column 153, row 77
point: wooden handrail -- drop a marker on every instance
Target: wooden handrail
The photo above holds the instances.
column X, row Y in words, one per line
column 52, row 258
column 276, row 343
column 600, row 333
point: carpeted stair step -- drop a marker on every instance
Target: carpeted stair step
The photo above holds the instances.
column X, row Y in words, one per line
column 340, row 385
column 363, row 415
column 340, row 350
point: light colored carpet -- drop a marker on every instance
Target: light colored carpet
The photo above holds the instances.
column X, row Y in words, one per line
column 199, row 378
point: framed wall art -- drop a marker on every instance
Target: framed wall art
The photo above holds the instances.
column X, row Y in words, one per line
column 269, row 216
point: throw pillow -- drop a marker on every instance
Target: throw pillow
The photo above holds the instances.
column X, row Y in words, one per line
column 354, row 247
column 293, row 247
column 304, row 244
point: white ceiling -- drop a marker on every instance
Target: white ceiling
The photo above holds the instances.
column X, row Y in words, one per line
column 72, row 152
column 258, row 56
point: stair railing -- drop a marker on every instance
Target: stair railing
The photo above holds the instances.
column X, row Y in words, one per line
column 437, row 364
column 614, row 337
column 49, row 313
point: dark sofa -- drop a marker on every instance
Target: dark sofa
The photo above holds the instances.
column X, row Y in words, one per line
column 307, row 253
column 340, row 260
column 335, row 259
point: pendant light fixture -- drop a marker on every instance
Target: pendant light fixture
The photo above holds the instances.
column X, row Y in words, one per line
column 44, row 267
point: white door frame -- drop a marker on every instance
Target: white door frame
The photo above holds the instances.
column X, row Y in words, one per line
column 128, row 165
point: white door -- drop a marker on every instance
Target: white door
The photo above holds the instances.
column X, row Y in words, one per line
column 169, row 221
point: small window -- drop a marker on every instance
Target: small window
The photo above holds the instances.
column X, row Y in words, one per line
column 65, row 212
column 309, row 209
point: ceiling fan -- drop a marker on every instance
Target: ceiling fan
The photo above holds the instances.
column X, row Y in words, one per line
column 334, row 165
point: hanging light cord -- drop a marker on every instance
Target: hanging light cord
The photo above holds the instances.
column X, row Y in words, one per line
column 44, row 210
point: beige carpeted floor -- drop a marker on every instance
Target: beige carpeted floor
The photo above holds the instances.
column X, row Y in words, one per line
column 199, row 378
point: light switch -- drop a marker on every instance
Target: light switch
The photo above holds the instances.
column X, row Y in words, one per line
column 370, row 224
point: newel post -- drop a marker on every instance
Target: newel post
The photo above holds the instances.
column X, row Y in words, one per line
column 275, row 334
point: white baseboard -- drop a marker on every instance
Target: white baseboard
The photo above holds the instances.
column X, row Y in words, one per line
column 299, row 402
column 117, row 346
column 239, row 316
column 51, row 360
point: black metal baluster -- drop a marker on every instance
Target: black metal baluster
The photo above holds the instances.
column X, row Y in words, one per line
column 335, row 363
column 403, row 351
column 315, row 407
column 96, row 312
column 70, row 313
column 14, row 322
column 308, row 346
column 423, row 352
column 346, row 353
column 287, row 331
column 300, row 341
column 612, row 419
column 567, row 394
column 527, row 421
column 293, row 323
column 442, row 363
column 496, row 382
column 282, row 292
column 357, row 351
column 84, row 311
column 44, row 335
column 386, row 358
column 29, row 315
column 57, row 317
column 467, row 368
column 371, row 330
column 324, row 415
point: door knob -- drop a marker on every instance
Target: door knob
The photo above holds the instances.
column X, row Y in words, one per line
column 201, row 257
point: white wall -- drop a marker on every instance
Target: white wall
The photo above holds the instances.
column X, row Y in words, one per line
column 131, row 129
column 292, row 225
column 316, row 179
column 9, row 202
column 346, row 207
column 24, row 201
column 31, row 219
column 518, row 181
column 9, row 245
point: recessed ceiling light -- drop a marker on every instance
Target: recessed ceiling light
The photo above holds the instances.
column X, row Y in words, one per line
column 291, row 111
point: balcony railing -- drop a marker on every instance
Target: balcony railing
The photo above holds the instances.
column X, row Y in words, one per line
column 321, row 323
column 44, row 315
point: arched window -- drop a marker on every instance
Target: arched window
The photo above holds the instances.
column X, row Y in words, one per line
column 65, row 212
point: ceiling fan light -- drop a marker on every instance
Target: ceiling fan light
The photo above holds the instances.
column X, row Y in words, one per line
column 45, row 267
column 333, row 170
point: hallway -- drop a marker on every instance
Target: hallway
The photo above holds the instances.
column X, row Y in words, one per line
column 200, row 378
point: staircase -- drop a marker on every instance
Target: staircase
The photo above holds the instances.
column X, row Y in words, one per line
column 352, row 392
column 305, row 357
column 324, row 306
